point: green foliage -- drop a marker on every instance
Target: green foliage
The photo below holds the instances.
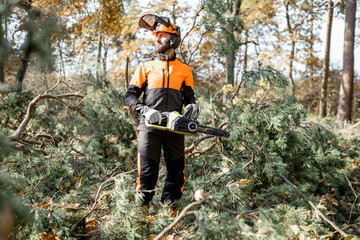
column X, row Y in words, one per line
column 108, row 128
column 90, row 149
column 247, row 197
column 13, row 109
column 229, row 25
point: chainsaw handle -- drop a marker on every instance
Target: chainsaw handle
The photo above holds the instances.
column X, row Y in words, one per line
column 188, row 113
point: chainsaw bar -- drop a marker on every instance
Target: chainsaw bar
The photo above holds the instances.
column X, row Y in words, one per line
column 213, row 131
column 190, row 126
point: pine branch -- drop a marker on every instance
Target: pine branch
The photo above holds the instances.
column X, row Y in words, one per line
column 313, row 206
column 355, row 194
column 96, row 199
column 181, row 215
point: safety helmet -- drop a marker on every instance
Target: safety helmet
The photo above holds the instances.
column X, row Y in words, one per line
column 162, row 28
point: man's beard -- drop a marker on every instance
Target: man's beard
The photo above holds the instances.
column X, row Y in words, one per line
column 163, row 48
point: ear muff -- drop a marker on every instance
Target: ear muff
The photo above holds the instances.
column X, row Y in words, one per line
column 175, row 39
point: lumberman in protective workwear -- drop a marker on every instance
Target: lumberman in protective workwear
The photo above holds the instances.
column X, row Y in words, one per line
column 167, row 85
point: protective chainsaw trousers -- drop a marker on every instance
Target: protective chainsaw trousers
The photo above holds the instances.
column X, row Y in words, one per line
column 150, row 143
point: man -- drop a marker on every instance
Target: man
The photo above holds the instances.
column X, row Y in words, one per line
column 166, row 85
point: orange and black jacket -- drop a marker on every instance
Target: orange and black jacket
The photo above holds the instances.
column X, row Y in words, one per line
column 167, row 86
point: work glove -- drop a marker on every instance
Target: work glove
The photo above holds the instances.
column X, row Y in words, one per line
column 152, row 115
column 193, row 108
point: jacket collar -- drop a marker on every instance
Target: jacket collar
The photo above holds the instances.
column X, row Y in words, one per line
column 164, row 57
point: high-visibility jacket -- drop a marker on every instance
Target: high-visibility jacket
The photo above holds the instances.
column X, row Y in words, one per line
column 167, row 86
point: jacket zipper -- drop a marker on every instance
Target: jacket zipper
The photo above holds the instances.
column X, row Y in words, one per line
column 163, row 77
column 168, row 83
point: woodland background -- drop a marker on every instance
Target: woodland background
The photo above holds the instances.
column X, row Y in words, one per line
column 290, row 169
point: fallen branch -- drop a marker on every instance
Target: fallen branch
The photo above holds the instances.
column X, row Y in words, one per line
column 313, row 206
column 96, row 199
column 21, row 128
column 29, row 112
column 181, row 215
column 225, row 158
column 46, row 136
column 199, row 153
column 196, row 143
column 355, row 194
column 343, row 228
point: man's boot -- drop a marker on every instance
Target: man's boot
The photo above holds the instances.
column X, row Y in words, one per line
column 144, row 210
column 169, row 209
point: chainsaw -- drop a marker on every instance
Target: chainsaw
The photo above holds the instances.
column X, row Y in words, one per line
column 184, row 124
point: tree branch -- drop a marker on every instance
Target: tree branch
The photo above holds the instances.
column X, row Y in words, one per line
column 313, row 206
column 196, row 143
column 29, row 112
column 73, row 228
column 180, row 216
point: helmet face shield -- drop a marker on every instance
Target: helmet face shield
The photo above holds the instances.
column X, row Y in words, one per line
column 151, row 21
column 148, row 21
column 158, row 24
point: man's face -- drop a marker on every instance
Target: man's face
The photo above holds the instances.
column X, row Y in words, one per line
column 162, row 42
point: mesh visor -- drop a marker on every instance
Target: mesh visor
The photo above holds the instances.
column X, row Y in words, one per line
column 148, row 21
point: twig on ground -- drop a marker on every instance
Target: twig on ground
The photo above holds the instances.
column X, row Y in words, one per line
column 180, row 216
column 313, row 206
column 73, row 228
column 343, row 228
column 223, row 155
column 356, row 196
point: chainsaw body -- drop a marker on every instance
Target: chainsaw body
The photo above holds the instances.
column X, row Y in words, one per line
column 183, row 124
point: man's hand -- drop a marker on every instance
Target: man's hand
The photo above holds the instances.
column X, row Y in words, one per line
column 152, row 115
column 193, row 108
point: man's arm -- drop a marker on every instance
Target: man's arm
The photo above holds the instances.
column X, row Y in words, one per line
column 188, row 88
column 132, row 98
column 135, row 89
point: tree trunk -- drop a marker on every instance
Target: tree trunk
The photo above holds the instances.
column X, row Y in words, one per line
column 62, row 65
column 246, row 51
column 292, row 51
column 28, row 47
column 232, row 11
column 24, row 61
column 311, row 45
column 347, row 83
column 230, row 59
column 98, row 61
column 325, row 76
column 2, row 50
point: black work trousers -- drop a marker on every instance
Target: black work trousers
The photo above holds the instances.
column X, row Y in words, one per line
column 150, row 143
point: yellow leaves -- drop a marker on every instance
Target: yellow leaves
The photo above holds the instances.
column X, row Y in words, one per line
column 166, row 237
column 45, row 236
column 228, row 89
column 150, row 219
column 91, row 225
column 243, row 181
